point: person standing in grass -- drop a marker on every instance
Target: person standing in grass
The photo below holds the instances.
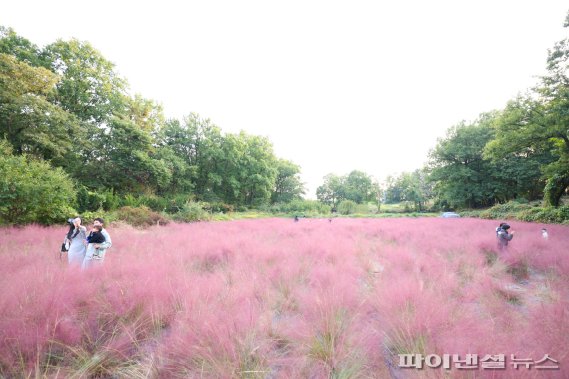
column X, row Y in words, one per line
column 503, row 236
column 96, row 255
column 76, row 238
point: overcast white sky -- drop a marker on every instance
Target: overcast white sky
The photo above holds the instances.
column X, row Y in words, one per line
column 336, row 86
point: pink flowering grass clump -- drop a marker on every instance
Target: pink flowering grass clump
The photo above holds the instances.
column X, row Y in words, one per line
column 273, row 298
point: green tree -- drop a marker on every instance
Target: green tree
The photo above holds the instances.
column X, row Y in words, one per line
column 347, row 207
column 413, row 187
column 19, row 47
column 462, row 177
column 538, row 123
column 288, row 185
column 378, row 194
column 147, row 114
column 89, row 87
column 32, row 191
column 519, row 156
column 393, row 190
column 257, row 169
column 31, row 123
column 358, row 187
column 331, row 192
column 197, row 143
column 129, row 164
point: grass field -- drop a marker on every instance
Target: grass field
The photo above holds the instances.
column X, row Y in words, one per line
column 271, row 298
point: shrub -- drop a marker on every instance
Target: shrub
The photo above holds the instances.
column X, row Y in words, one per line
column 89, row 216
column 192, row 211
column 129, row 200
column 507, row 210
column 241, row 208
column 300, row 206
column 32, row 191
column 141, row 216
column 177, row 202
column 347, row 207
column 218, row 207
column 546, row 214
column 89, row 200
column 363, row 209
column 112, row 200
column 156, row 203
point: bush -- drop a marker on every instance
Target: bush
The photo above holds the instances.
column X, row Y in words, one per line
column 522, row 211
column 89, row 200
column 546, row 215
column 347, row 207
column 218, row 207
column 177, row 202
column 129, row 200
column 89, row 216
column 112, row 200
column 140, row 216
column 192, row 211
column 507, row 210
column 300, row 206
column 32, row 191
column 156, row 203
column 363, row 209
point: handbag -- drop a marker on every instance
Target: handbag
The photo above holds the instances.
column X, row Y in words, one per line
column 65, row 246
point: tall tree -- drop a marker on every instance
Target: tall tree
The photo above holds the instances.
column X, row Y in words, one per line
column 31, row 123
column 358, row 187
column 539, row 123
column 520, row 156
column 198, row 143
column 89, row 87
column 457, row 166
column 258, row 170
column 288, row 185
column 22, row 49
column 331, row 192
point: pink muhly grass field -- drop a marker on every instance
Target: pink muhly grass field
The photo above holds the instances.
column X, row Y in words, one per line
column 273, row 298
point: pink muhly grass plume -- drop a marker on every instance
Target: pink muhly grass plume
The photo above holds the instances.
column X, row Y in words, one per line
column 274, row 298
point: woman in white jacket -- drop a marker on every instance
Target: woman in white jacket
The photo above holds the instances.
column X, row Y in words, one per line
column 76, row 240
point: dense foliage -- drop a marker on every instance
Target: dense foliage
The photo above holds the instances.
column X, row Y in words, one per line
column 357, row 186
column 65, row 106
column 31, row 190
column 521, row 151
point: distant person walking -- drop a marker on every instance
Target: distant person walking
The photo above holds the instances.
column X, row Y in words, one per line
column 503, row 236
column 95, row 254
column 76, row 238
column 544, row 234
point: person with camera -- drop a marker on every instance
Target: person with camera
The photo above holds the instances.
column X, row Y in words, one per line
column 74, row 242
column 503, row 236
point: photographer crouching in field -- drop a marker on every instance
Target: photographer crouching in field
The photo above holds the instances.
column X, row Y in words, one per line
column 95, row 254
column 503, row 236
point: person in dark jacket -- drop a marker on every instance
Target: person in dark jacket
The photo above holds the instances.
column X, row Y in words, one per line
column 503, row 235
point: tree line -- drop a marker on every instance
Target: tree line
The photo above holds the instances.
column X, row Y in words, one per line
column 64, row 107
column 73, row 138
column 520, row 151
